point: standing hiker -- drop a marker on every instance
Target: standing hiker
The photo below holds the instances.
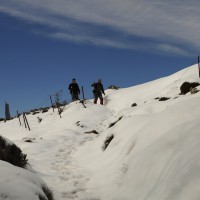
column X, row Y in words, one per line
column 74, row 90
column 98, row 91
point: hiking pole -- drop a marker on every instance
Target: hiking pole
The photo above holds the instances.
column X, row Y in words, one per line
column 27, row 122
column 199, row 66
column 18, row 115
column 82, row 101
column 83, row 93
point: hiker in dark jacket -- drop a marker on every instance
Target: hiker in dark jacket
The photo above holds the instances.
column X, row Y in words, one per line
column 74, row 90
column 98, row 91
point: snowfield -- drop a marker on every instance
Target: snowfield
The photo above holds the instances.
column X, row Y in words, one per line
column 152, row 150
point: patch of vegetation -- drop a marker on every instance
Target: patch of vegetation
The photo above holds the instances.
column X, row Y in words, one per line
column 186, row 87
column 134, row 104
column 35, row 112
column 107, row 142
column 112, row 124
column 45, row 110
column 193, row 90
column 113, row 87
column 12, row 154
column 39, row 119
column 28, row 139
column 2, row 119
column 93, row 131
column 164, row 99
column 27, row 113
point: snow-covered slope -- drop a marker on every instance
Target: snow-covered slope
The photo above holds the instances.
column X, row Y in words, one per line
column 167, row 87
column 153, row 154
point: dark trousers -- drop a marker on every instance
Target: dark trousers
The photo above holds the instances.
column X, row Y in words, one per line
column 75, row 96
column 98, row 96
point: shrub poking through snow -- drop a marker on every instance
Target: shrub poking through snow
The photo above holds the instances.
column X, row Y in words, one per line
column 107, row 141
column 134, row 104
column 39, row 119
column 193, row 90
column 113, row 87
column 186, row 87
column 162, row 98
column 35, row 112
column 93, row 131
column 112, row 124
column 45, row 110
column 12, row 154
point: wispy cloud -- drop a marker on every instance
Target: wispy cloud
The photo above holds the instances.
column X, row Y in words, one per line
column 169, row 49
column 173, row 23
column 98, row 41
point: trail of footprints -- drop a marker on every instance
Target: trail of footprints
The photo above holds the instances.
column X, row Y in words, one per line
column 70, row 176
column 69, row 173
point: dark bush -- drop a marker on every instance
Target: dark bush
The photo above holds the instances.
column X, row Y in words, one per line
column 113, row 87
column 12, row 154
column 107, row 141
column 93, row 131
column 45, row 110
column 28, row 140
column 164, row 98
column 39, row 119
column 112, row 124
column 36, row 112
column 27, row 113
column 134, row 104
column 2, row 119
column 186, row 87
column 64, row 103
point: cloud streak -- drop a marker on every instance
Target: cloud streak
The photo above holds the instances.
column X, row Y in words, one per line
column 127, row 24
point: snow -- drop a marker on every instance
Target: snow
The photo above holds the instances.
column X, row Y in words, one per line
column 154, row 153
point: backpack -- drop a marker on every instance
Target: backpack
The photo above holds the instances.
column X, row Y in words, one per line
column 95, row 87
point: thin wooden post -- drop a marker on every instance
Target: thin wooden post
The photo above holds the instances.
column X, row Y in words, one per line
column 199, row 65
column 59, row 110
column 18, row 115
column 7, row 112
column 27, row 122
column 51, row 103
column 83, row 93
column 24, row 120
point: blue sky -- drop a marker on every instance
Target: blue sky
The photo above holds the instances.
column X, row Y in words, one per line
column 46, row 43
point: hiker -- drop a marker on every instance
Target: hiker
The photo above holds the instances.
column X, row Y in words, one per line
column 98, row 91
column 74, row 90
